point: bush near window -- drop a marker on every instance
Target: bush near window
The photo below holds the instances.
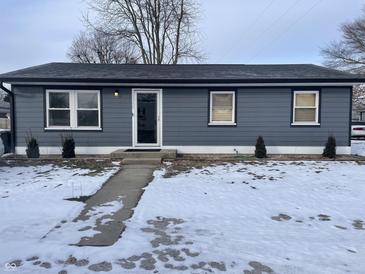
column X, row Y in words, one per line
column 32, row 150
column 68, row 147
column 260, row 151
column 330, row 148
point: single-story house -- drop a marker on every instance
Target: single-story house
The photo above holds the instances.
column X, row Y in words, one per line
column 194, row 108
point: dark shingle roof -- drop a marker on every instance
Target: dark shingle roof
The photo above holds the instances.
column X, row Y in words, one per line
column 187, row 73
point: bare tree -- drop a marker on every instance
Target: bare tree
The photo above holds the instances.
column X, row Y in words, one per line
column 163, row 31
column 97, row 47
column 4, row 96
column 348, row 54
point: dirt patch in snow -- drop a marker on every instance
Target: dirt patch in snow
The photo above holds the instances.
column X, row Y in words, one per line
column 95, row 166
column 258, row 268
column 169, row 248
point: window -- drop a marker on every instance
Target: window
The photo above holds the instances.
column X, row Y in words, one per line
column 74, row 109
column 305, row 108
column 222, row 108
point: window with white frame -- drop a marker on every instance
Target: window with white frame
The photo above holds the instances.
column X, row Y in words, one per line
column 222, row 108
column 73, row 109
column 306, row 107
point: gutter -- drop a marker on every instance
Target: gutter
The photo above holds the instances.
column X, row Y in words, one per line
column 12, row 116
column 203, row 84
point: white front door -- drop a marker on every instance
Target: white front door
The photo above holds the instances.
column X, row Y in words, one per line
column 146, row 111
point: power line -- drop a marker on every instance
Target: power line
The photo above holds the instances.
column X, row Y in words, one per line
column 258, row 17
column 253, row 23
column 286, row 30
column 276, row 21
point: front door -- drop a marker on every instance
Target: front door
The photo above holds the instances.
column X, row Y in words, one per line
column 146, row 117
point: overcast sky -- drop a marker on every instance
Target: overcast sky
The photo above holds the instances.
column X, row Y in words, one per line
column 232, row 31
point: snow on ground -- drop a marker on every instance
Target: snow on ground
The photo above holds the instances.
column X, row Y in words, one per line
column 250, row 217
column 32, row 202
column 358, row 147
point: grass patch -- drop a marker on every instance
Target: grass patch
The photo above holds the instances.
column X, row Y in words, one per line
column 95, row 166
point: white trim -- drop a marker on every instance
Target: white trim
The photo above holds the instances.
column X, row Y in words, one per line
column 316, row 107
column 251, row 149
column 54, row 150
column 159, row 93
column 341, row 150
column 73, row 108
column 222, row 123
column 126, row 84
column 74, row 129
column 305, row 124
column 48, row 108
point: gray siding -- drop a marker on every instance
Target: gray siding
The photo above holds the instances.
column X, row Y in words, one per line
column 260, row 111
column 116, row 119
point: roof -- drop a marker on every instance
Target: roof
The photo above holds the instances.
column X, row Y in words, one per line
column 186, row 73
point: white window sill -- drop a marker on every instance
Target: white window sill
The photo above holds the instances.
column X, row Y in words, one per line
column 222, row 124
column 73, row 129
column 305, row 124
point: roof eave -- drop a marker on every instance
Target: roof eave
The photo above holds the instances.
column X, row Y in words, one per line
column 20, row 80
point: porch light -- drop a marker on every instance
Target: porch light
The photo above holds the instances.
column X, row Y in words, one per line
column 116, row 93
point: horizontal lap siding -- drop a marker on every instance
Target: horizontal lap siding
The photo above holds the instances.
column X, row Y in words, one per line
column 260, row 111
column 116, row 119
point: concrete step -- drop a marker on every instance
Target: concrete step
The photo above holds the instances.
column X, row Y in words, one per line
column 143, row 154
column 142, row 161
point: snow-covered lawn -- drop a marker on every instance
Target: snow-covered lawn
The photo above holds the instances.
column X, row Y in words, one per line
column 358, row 147
column 33, row 205
column 250, row 217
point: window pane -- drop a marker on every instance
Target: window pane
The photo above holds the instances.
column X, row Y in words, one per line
column 307, row 100
column 59, row 100
column 222, row 107
column 87, row 100
column 88, row 118
column 59, row 118
column 305, row 115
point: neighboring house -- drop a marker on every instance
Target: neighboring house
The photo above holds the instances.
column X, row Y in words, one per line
column 358, row 114
column 358, row 110
column 4, row 115
column 191, row 108
column 4, row 109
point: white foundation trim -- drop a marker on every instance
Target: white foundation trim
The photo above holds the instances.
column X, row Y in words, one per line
column 198, row 149
column 78, row 150
column 251, row 149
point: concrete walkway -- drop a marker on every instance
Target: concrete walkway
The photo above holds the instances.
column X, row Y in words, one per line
column 126, row 186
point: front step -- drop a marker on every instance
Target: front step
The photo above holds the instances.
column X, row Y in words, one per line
column 142, row 161
column 143, row 154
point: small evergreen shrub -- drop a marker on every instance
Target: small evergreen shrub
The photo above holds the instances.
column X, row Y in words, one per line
column 32, row 147
column 68, row 147
column 260, row 151
column 330, row 148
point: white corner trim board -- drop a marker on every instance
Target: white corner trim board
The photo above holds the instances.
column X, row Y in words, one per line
column 343, row 150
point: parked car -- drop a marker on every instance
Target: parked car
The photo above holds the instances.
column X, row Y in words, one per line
column 358, row 129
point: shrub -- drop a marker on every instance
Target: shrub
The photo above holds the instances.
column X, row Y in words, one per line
column 68, row 147
column 260, row 151
column 32, row 147
column 330, row 148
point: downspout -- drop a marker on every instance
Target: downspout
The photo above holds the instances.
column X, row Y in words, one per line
column 12, row 116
